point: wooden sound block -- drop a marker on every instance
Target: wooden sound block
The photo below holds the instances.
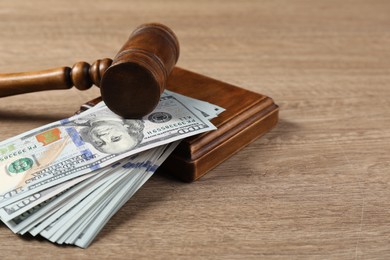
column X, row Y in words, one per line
column 248, row 116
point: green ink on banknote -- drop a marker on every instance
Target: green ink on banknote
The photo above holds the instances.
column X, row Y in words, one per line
column 20, row 165
column 7, row 149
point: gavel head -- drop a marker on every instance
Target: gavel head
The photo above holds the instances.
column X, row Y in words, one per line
column 132, row 85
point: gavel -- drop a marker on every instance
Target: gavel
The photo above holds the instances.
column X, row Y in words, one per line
column 130, row 84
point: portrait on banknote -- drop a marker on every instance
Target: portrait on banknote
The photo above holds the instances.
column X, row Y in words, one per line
column 109, row 133
column 64, row 150
column 113, row 135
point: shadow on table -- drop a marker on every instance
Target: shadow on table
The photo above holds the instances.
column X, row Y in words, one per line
column 24, row 116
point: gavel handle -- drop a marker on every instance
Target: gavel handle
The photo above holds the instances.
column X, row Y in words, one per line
column 81, row 75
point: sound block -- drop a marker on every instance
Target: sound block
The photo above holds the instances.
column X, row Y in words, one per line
column 248, row 116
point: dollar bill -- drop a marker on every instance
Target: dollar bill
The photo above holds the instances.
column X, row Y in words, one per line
column 40, row 217
column 58, row 152
column 29, row 219
column 85, row 237
column 75, row 209
column 106, row 208
column 207, row 109
column 86, row 192
column 17, row 208
column 87, row 207
column 65, row 221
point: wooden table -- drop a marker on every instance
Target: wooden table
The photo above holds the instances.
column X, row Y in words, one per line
column 315, row 187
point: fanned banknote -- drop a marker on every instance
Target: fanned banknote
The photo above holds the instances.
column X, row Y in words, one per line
column 65, row 180
column 69, row 148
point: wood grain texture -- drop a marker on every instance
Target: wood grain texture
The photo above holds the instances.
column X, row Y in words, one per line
column 316, row 187
column 247, row 116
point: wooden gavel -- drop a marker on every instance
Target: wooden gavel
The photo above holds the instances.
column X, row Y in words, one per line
column 130, row 84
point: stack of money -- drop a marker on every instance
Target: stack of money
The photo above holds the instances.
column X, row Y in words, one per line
column 65, row 180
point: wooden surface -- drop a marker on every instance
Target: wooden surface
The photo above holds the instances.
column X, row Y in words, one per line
column 316, row 187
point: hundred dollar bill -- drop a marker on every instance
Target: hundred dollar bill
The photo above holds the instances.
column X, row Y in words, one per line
column 35, row 202
column 17, row 208
column 207, row 109
column 70, row 228
column 128, row 167
column 79, row 225
column 84, row 237
column 85, row 205
column 27, row 220
column 51, row 232
column 57, row 207
column 66, row 149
